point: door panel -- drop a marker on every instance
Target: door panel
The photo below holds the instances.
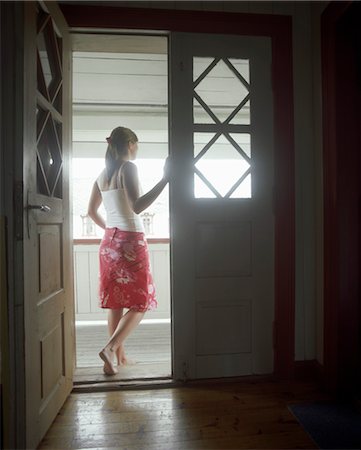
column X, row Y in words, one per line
column 221, row 136
column 231, row 242
column 49, row 310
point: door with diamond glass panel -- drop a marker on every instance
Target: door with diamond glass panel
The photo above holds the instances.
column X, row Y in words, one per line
column 48, row 289
column 221, row 135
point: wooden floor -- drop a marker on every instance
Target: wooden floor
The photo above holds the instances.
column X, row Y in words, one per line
column 243, row 415
column 149, row 346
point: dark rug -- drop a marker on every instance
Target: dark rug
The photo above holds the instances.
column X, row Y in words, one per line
column 330, row 425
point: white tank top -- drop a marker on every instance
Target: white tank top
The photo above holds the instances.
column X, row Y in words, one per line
column 118, row 212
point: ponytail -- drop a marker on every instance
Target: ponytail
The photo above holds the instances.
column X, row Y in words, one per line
column 111, row 161
column 118, row 142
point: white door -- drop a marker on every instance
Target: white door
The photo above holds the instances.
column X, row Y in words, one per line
column 48, row 286
column 221, row 139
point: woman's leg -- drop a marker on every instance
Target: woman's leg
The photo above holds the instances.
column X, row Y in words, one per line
column 114, row 316
column 125, row 326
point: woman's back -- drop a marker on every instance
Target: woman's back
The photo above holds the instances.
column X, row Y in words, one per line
column 118, row 210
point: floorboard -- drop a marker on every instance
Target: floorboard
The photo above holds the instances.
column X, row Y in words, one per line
column 250, row 414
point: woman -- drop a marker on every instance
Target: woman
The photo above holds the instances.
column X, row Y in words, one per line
column 125, row 279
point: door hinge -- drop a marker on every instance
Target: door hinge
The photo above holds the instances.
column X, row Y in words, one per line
column 19, row 210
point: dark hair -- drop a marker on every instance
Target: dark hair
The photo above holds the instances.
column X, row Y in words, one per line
column 118, row 142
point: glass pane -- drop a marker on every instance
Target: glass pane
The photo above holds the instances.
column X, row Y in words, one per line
column 243, row 117
column 200, row 140
column 44, row 59
column 58, row 190
column 59, row 43
column 201, row 190
column 244, row 190
column 243, row 140
column 59, row 133
column 221, row 90
column 222, row 165
column 50, row 60
column 40, row 120
column 58, row 102
column 200, row 65
column 242, row 67
column 49, row 161
column 200, row 115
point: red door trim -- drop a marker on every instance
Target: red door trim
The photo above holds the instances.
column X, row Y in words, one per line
column 279, row 29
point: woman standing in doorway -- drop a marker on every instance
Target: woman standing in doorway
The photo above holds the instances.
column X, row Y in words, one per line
column 125, row 280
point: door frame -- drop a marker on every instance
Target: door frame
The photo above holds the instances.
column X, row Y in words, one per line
column 279, row 29
column 12, row 314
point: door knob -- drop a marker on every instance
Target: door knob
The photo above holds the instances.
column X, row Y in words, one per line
column 43, row 208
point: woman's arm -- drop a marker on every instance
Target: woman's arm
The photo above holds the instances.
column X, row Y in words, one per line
column 131, row 184
column 94, row 203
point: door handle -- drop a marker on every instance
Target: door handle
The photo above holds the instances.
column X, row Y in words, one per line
column 42, row 208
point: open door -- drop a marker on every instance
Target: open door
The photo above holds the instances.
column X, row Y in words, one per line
column 48, row 286
column 221, row 139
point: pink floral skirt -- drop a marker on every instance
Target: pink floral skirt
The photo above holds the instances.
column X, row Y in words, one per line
column 125, row 280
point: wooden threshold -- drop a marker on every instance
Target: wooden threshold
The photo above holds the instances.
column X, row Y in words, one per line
column 143, row 371
column 104, row 383
column 125, row 385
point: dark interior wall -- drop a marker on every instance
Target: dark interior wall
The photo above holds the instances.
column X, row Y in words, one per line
column 342, row 144
column 348, row 142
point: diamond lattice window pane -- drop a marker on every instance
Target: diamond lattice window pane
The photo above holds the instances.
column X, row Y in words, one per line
column 243, row 116
column 59, row 134
column 41, row 118
column 50, row 58
column 200, row 115
column 44, row 59
column 49, row 161
column 200, row 65
column 58, row 102
column 244, row 190
column 201, row 190
column 244, row 142
column 242, row 67
column 222, row 165
column 221, row 90
column 200, row 140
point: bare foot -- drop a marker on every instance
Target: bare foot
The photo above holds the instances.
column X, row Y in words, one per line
column 122, row 360
column 107, row 357
column 126, row 362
